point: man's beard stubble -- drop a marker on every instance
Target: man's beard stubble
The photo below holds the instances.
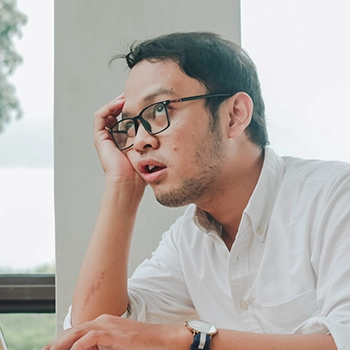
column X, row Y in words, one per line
column 208, row 158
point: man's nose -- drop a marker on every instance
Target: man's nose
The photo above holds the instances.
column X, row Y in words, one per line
column 144, row 140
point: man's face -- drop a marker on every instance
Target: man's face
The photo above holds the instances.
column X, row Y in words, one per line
column 181, row 164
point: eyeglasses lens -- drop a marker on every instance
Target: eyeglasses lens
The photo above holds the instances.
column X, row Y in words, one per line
column 154, row 119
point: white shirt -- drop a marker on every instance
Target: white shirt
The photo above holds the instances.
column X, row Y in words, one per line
column 288, row 270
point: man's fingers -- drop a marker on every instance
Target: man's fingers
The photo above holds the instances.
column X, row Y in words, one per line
column 55, row 340
column 107, row 114
column 93, row 340
column 71, row 336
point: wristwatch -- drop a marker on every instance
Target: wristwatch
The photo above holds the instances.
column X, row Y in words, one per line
column 202, row 333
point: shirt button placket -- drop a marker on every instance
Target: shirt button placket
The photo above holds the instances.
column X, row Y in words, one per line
column 244, row 305
column 239, row 278
column 259, row 230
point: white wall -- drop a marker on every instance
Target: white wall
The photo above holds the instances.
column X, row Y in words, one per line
column 87, row 34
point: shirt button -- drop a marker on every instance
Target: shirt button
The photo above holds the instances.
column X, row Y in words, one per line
column 224, row 255
column 244, row 305
column 259, row 230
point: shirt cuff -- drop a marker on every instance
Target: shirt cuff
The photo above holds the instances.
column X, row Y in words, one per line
column 136, row 308
column 323, row 325
column 67, row 320
column 135, row 311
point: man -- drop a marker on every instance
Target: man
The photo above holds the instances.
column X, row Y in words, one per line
column 260, row 256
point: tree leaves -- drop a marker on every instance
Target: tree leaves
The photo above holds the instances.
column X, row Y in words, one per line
column 11, row 21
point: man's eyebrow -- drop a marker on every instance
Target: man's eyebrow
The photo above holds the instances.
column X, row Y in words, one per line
column 124, row 115
column 159, row 92
column 150, row 98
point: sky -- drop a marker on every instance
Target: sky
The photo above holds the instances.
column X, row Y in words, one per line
column 301, row 51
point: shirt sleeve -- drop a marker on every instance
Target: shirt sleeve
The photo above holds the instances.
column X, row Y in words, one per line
column 67, row 320
column 324, row 325
column 157, row 289
column 331, row 263
column 67, row 323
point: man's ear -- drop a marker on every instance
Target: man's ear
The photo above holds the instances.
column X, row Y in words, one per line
column 240, row 113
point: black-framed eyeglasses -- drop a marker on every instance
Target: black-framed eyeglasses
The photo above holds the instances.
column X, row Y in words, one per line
column 154, row 118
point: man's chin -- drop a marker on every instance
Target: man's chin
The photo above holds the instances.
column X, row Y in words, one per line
column 170, row 202
column 173, row 199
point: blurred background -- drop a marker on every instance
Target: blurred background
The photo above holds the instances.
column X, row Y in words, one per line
column 302, row 57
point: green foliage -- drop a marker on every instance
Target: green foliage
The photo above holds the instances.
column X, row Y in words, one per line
column 10, row 22
column 48, row 268
column 28, row 331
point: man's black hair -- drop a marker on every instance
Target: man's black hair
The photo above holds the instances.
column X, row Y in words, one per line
column 219, row 64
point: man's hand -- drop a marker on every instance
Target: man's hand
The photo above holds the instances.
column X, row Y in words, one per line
column 108, row 332
column 102, row 284
column 114, row 162
column 112, row 333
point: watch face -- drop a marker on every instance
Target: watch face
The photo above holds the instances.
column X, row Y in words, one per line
column 202, row 326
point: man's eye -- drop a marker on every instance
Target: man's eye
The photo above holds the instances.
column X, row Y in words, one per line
column 126, row 125
column 159, row 110
column 129, row 125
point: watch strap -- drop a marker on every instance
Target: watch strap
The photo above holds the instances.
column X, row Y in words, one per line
column 201, row 341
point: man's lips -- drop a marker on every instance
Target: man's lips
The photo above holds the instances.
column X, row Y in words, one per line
column 150, row 166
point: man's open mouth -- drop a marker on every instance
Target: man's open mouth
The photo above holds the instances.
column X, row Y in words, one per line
column 152, row 168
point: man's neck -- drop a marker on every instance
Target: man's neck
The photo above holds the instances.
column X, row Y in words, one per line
column 227, row 207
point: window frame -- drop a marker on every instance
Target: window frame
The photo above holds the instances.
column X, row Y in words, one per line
column 27, row 293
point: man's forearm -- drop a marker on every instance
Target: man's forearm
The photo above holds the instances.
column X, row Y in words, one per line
column 231, row 340
column 102, row 284
column 227, row 339
column 118, row 333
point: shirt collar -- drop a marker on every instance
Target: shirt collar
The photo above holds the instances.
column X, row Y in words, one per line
column 261, row 202
column 205, row 222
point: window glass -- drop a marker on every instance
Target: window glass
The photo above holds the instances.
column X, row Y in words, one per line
column 26, row 151
column 302, row 55
column 27, row 331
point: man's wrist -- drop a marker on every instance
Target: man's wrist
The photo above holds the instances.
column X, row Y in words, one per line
column 121, row 193
column 202, row 333
column 178, row 338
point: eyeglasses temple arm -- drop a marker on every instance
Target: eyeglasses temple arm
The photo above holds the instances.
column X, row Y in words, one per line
column 191, row 98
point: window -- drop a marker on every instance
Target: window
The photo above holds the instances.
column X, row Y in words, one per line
column 301, row 52
column 27, row 293
column 26, row 150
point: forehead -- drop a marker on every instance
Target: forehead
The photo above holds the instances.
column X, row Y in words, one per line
column 150, row 82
